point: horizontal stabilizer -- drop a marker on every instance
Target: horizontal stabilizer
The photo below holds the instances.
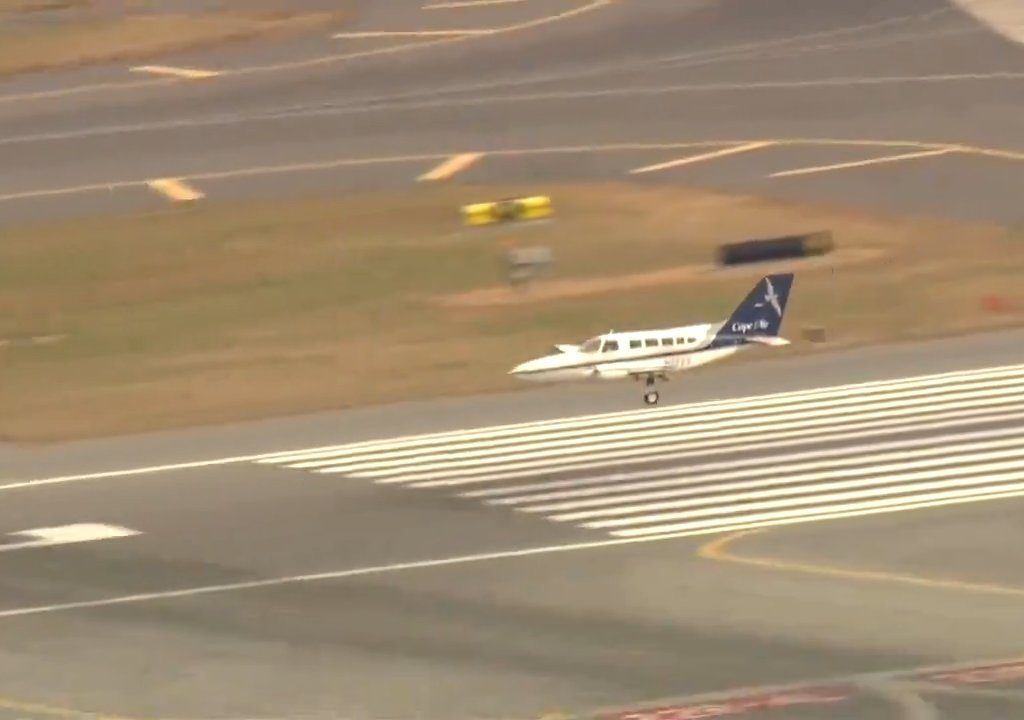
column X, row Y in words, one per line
column 773, row 340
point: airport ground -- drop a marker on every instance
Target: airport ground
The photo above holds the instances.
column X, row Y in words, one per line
column 278, row 570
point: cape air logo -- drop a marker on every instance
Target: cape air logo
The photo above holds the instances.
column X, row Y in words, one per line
column 745, row 327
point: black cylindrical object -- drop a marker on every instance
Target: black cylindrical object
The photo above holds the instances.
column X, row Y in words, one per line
column 780, row 248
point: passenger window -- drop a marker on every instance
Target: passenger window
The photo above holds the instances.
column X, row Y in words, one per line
column 611, row 345
column 680, row 341
column 666, row 341
column 651, row 342
column 634, row 343
column 690, row 340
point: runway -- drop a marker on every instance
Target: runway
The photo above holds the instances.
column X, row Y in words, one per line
column 805, row 535
column 840, row 450
column 571, row 562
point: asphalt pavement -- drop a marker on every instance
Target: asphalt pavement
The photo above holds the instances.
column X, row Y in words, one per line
column 452, row 574
column 545, row 76
column 768, row 532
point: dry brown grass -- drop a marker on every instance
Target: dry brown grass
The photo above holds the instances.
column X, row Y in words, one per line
column 225, row 312
column 80, row 37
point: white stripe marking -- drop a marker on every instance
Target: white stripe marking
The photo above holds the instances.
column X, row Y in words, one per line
column 898, row 404
column 846, row 456
column 862, row 163
column 677, row 451
column 449, row 448
column 871, row 430
column 407, row 33
column 941, row 380
column 779, row 487
column 468, row 472
column 67, row 535
column 714, row 155
column 949, row 497
column 579, row 486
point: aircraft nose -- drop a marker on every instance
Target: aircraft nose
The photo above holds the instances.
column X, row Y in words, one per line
column 518, row 369
column 527, row 367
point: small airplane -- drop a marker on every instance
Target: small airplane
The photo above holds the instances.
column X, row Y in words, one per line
column 653, row 354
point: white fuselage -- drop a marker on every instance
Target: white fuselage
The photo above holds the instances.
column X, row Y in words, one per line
column 628, row 354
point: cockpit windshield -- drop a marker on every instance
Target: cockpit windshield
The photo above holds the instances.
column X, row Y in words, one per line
column 591, row 345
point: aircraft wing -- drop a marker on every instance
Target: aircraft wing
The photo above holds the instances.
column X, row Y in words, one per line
column 635, row 367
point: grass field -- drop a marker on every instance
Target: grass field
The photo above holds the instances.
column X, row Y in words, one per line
column 222, row 312
column 76, row 32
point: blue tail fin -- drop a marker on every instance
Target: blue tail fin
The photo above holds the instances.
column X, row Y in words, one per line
column 760, row 314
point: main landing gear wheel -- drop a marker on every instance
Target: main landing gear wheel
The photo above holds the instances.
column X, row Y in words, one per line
column 651, row 395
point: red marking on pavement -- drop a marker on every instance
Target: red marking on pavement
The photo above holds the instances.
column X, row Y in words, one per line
column 997, row 304
column 1003, row 672
column 738, row 705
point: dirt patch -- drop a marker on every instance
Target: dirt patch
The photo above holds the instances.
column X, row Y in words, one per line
column 548, row 290
column 222, row 312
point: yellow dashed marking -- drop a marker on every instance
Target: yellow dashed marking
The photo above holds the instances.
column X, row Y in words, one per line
column 186, row 73
column 451, row 166
column 176, row 190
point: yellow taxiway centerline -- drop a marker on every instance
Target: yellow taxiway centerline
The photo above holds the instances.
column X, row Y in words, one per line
column 451, row 166
column 719, row 550
column 185, row 73
column 862, row 163
column 748, row 147
column 175, row 189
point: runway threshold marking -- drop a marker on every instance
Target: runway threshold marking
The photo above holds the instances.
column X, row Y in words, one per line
column 720, row 550
column 179, row 72
column 863, row 163
column 450, row 167
column 884, row 464
column 176, row 190
column 703, row 157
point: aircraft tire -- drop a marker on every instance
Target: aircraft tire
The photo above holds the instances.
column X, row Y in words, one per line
column 651, row 397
